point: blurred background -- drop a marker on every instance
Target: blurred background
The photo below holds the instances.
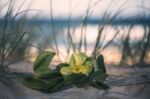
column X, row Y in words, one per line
column 118, row 29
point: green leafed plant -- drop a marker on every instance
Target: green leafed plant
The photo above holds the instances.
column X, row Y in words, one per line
column 78, row 72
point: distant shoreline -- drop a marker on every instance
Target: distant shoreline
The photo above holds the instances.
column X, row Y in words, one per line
column 94, row 21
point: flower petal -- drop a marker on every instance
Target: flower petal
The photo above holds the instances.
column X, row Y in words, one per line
column 79, row 58
column 85, row 69
column 75, row 69
column 65, row 71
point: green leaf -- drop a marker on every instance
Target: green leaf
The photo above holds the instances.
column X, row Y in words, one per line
column 100, row 85
column 82, row 82
column 34, row 83
column 98, row 75
column 58, row 87
column 43, row 60
column 88, row 62
column 74, row 78
column 61, row 65
column 47, row 74
column 100, row 63
column 55, row 84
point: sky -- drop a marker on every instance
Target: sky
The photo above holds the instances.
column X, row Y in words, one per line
column 65, row 8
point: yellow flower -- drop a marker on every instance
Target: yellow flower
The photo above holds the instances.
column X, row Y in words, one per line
column 81, row 69
column 65, row 71
column 78, row 64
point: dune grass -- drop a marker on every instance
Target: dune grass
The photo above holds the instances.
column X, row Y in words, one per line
column 130, row 51
column 13, row 36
